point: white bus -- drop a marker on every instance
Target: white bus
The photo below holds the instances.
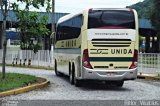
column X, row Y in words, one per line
column 97, row 44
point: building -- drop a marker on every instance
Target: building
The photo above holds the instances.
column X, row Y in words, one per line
column 12, row 22
column 145, row 29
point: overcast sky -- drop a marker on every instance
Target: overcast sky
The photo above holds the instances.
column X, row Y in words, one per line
column 69, row 6
column 76, row 5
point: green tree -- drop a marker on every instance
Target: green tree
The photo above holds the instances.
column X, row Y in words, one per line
column 4, row 4
column 31, row 26
column 143, row 8
column 155, row 18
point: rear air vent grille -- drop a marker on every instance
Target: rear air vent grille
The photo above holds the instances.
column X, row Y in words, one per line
column 111, row 42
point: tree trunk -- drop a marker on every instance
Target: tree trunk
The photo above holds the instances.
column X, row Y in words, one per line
column 5, row 11
column 4, row 48
column 1, row 42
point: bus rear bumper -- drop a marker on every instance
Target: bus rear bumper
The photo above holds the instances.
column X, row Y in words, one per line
column 109, row 75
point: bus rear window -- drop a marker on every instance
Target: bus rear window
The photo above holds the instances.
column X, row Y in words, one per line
column 111, row 19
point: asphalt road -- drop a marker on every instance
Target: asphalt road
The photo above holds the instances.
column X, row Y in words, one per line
column 61, row 89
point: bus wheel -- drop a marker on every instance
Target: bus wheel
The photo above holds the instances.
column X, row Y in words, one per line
column 71, row 76
column 77, row 82
column 55, row 68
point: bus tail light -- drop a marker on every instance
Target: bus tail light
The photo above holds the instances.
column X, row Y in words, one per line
column 85, row 59
column 131, row 10
column 90, row 10
column 135, row 60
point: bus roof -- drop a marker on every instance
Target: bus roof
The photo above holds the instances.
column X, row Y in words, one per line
column 127, row 9
column 68, row 16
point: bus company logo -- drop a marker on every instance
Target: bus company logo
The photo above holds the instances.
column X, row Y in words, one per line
column 111, row 51
column 121, row 51
column 111, row 33
column 99, row 51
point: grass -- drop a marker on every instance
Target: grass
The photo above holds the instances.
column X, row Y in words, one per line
column 14, row 80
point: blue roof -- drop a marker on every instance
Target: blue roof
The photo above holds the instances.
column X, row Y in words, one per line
column 12, row 17
column 145, row 23
column 13, row 35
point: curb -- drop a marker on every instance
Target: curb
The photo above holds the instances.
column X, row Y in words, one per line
column 148, row 77
column 24, row 89
column 33, row 67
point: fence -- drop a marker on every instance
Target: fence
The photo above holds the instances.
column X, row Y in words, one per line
column 147, row 62
column 23, row 57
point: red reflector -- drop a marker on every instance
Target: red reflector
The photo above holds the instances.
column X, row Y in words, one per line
column 85, row 59
column 135, row 60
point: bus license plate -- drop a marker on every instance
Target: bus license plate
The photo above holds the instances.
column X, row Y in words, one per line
column 110, row 73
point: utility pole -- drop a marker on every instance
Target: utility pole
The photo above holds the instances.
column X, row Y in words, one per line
column 1, row 36
column 53, row 24
column 1, row 27
column 4, row 39
column 53, row 15
column 5, row 13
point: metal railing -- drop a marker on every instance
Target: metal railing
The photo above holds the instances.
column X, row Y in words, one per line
column 149, row 63
column 24, row 57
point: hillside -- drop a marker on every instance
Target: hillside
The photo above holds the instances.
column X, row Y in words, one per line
column 143, row 8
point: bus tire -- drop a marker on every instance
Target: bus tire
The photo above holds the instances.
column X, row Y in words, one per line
column 55, row 68
column 71, row 75
column 77, row 82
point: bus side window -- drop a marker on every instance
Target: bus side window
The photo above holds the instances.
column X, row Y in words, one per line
column 70, row 29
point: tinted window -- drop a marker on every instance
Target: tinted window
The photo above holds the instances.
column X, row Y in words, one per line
column 69, row 29
column 111, row 18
